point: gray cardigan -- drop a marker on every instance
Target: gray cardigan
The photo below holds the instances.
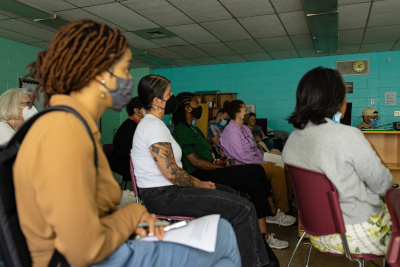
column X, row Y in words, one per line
column 345, row 156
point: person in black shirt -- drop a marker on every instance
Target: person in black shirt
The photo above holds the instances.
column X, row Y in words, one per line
column 119, row 160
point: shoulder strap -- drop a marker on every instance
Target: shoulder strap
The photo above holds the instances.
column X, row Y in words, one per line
column 15, row 142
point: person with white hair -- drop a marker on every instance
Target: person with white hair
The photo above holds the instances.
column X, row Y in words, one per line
column 14, row 111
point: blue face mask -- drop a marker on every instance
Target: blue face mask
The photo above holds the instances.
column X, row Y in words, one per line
column 336, row 117
column 194, row 122
column 223, row 123
column 374, row 122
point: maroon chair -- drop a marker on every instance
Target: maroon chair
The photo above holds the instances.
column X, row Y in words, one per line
column 393, row 251
column 139, row 201
column 320, row 213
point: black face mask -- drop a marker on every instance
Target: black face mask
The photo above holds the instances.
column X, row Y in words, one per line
column 171, row 105
column 197, row 112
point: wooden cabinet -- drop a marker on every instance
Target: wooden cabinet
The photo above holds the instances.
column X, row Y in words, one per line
column 387, row 144
column 215, row 101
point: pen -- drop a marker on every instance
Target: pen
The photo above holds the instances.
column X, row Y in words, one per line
column 161, row 223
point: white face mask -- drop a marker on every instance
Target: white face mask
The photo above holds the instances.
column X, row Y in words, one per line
column 27, row 112
column 143, row 112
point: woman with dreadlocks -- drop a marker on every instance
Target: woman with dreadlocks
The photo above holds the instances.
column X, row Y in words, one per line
column 66, row 203
column 167, row 189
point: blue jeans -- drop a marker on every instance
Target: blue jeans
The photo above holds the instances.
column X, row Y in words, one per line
column 143, row 253
column 196, row 202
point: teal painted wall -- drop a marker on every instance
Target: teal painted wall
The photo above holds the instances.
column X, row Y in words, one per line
column 271, row 85
column 14, row 57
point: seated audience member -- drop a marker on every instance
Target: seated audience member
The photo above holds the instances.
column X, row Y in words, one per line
column 15, row 109
column 198, row 161
column 370, row 119
column 320, row 143
column 167, row 189
column 119, row 160
column 257, row 131
column 237, row 142
column 64, row 200
column 215, row 129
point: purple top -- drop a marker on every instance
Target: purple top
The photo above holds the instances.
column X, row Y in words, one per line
column 238, row 143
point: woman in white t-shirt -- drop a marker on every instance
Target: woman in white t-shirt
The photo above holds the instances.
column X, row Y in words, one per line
column 167, row 189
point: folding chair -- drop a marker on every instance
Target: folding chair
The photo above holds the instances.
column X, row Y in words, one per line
column 393, row 250
column 139, row 201
column 320, row 213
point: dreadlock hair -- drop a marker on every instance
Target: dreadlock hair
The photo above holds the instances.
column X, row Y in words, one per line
column 151, row 86
column 78, row 53
column 180, row 115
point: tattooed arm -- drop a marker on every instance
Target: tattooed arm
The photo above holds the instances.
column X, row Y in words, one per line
column 164, row 157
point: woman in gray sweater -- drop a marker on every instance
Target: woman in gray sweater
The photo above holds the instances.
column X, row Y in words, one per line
column 320, row 143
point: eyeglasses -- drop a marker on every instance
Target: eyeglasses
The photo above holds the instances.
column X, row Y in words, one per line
column 377, row 118
column 26, row 103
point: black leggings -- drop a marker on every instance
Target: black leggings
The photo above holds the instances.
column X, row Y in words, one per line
column 247, row 178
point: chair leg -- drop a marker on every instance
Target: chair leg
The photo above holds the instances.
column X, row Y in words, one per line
column 294, row 251
column 309, row 252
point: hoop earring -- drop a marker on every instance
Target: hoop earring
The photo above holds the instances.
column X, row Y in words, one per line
column 103, row 89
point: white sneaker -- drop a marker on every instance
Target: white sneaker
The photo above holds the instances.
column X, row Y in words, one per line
column 276, row 243
column 281, row 218
column 127, row 197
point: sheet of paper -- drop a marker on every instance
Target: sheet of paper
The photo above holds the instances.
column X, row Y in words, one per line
column 274, row 158
column 200, row 233
column 390, row 98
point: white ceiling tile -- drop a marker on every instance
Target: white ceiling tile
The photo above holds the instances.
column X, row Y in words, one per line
column 84, row 3
column 75, row 14
column 396, row 46
column 226, row 30
column 207, row 61
column 44, row 45
column 385, row 13
column 353, row 16
column 287, row 5
column 344, row 50
column 22, row 38
column 311, row 53
column 303, row 41
column 139, row 42
column 245, row 46
column 170, row 41
column 2, row 17
column 232, row 59
column 201, row 11
column 257, row 57
column 8, row 13
column 350, row 2
column 38, row 24
column 381, row 34
column 263, row 26
column 122, row 16
column 284, row 54
column 189, row 51
column 216, row 49
column 240, row 8
column 282, row 43
column 165, row 53
column 377, row 47
column 159, row 11
column 295, row 22
column 351, row 37
column 51, row 5
column 27, row 29
column 193, row 33
column 185, row 63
